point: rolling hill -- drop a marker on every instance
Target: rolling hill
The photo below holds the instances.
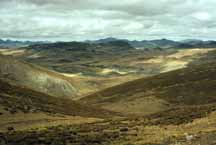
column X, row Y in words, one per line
column 186, row 109
column 23, row 109
column 93, row 67
column 75, row 57
column 166, row 108
column 36, row 78
column 190, row 86
column 16, row 99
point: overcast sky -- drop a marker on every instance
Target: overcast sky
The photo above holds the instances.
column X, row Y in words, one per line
column 92, row 19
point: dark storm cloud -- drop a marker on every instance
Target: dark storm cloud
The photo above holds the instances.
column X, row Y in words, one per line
column 91, row 19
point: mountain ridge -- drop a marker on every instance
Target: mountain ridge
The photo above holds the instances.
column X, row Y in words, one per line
column 16, row 43
column 141, row 44
column 161, row 43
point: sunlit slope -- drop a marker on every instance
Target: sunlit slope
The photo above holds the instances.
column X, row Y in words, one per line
column 36, row 78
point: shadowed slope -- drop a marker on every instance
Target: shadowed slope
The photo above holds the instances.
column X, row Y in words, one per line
column 20, row 99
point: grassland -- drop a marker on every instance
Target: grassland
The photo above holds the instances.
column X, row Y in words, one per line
column 99, row 66
column 141, row 99
column 196, row 125
column 189, row 121
column 188, row 86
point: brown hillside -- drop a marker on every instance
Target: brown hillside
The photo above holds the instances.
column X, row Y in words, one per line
column 20, row 99
column 190, row 86
column 36, row 78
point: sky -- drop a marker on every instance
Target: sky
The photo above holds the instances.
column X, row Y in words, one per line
column 66, row 20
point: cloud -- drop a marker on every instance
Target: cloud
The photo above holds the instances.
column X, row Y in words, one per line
column 92, row 19
column 202, row 16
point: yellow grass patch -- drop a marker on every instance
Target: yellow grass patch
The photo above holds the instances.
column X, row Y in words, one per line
column 21, row 121
column 14, row 52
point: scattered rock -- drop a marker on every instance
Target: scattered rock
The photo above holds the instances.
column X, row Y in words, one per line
column 188, row 137
column 124, row 129
column 10, row 128
column 13, row 111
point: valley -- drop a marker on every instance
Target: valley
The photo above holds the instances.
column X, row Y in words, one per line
column 93, row 72
column 107, row 93
column 100, row 66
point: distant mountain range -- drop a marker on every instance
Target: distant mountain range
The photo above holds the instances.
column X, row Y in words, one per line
column 162, row 43
column 15, row 44
column 142, row 44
